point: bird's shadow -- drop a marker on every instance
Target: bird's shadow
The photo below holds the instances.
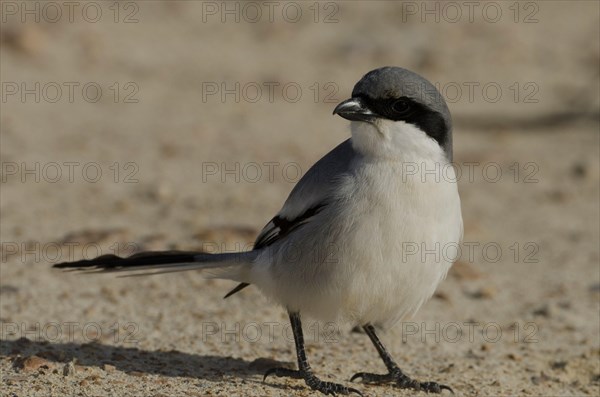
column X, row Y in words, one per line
column 131, row 359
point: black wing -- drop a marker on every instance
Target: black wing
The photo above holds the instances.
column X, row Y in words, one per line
column 276, row 229
column 311, row 189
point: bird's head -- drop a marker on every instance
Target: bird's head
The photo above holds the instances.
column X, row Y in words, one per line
column 394, row 110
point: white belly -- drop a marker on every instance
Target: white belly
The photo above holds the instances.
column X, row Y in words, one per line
column 366, row 264
column 399, row 251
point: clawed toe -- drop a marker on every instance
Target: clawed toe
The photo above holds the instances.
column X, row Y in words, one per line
column 434, row 387
column 367, row 377
column 395, row 376
column 400, row 380
column 327, row 388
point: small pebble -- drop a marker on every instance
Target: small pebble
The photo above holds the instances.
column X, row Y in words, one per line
column 441, row 296
column 487, row 292
column 69, row 369
column 33, row 363
column 109, row 368
column 559, row 365
column 537, row 380
column 543, row 311
column 579, row 170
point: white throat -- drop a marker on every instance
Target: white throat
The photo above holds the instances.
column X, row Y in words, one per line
column 395, row 141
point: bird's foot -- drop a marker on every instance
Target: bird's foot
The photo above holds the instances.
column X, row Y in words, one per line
column 327, row 388
column 401, row 380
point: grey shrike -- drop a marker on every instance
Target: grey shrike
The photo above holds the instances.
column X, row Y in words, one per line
column 361, row 205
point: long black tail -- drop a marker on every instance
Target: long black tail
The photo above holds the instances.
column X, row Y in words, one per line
column 228, row 265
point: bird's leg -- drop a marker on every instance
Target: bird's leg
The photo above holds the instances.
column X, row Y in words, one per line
column 304, row 371
column 395, row 374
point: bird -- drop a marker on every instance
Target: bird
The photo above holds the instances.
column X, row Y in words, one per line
column 337, row 248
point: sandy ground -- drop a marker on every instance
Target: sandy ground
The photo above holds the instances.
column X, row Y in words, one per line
column 163, row 157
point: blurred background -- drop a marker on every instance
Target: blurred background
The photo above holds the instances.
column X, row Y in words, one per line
column 128, row 126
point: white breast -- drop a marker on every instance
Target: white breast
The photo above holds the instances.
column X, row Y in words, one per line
column 353, row 262
column 400, row 250
column 396, row 251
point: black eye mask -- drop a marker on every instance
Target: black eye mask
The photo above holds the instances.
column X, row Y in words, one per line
column 408, row 110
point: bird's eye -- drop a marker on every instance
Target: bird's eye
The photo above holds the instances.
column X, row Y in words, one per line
column 401, row 106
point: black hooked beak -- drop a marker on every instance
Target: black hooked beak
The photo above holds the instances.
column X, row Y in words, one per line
column 354, row 109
